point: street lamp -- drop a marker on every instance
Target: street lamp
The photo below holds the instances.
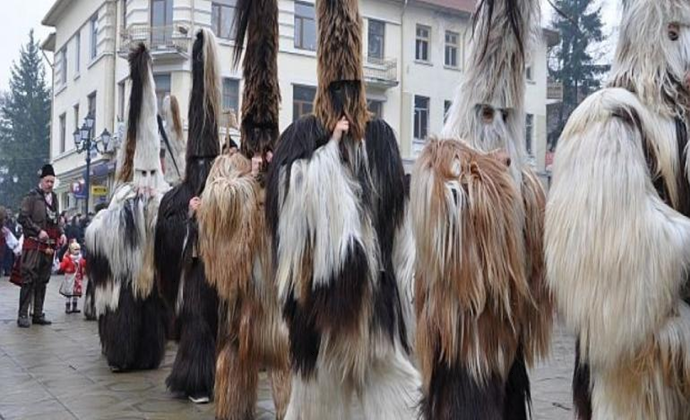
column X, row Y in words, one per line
column 84, row 142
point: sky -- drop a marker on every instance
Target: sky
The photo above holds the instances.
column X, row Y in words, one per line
column 23, row 15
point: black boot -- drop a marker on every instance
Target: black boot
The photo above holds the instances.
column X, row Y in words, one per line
column 25, row 295
column 74, row 308
column 39, row 318
column 67, row 308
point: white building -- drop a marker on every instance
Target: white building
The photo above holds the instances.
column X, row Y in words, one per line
column 414, row 56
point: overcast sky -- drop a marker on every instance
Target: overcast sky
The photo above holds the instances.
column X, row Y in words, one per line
column 20, row 16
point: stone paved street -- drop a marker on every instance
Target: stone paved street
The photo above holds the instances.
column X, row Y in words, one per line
column 57, row 372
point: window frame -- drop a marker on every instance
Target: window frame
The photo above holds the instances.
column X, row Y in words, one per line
column 93, row 34
column 62, row 126
column 216, row 24
column 529, row 134
column 452, row 47
column 422, row 41
column 63, row 65
column 299, row 41
column 233, row 98
column 77, row 53
column 302, row 107
column 382, row 37
column 92, row 107
column 420, row 131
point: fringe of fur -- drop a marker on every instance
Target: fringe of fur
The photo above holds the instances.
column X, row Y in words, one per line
column 617, row 256
column 475, row 291
column 173, row 123
column 647, row 62
column 339, row 55
column 258, row 21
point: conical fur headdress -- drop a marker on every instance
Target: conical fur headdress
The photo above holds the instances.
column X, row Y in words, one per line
column 340, row 89
column 203, row 141
column 257, row 20
column 142, row 143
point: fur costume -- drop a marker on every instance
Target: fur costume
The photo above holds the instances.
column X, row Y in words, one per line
column 233, row 240
column 337, row 215
column 181, row 278
column 483, row 311
column 120, row 238
column 617, row 228
column 175, row 157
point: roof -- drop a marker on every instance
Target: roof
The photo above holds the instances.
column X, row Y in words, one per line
column 460, row 5
column 51, row 18
column 49, row 43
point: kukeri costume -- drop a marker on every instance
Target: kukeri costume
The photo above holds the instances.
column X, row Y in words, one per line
column 617, row 227
column 343, row 251
column 483, row 310
column 120, row 238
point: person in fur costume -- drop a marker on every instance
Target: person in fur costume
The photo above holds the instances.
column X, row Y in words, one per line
column 617, row 228
column 233, row 240
column 120, row 238
column 336, row 210
column 483, row 310
column 180, row 273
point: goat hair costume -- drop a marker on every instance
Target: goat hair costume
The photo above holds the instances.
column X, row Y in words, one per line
column 483, row 310
column 180, row 274
column 343, row 250
column 233, row 241
column 120, row 238
column 175, row 159
column 617, row 228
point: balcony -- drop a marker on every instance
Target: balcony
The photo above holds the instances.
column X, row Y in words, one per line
column 169, row 42
column 381, row 72
column 554, row 91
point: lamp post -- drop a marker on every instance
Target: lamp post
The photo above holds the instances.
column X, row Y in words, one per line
column 84, row 142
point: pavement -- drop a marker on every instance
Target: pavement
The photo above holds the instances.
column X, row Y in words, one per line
column 58, row 372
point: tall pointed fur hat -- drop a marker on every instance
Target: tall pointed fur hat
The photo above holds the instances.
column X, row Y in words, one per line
column 340, row 89
column 257, row 21
column 204, row 103
column 142, row 144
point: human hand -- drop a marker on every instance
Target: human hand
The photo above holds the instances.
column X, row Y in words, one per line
column 63, row 240
column 194, row 204
column 43, row 235
column 341, row 128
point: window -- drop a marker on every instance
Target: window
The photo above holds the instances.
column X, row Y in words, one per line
column 223, row 18
column 422, row 44
column 63, row 133
column 94, row 36
column 231, row 94
column 529, row 133
column 377, row 39
column 163, row 87
column 529, row 73
column 305, row 26
column 77, row 52
column 375, row 107
column 302, row 101
column 121, row 101
column 77, row 124
column 421, row 117
column 92, row 109
column 446, row 109
column 161, row 22
column 63, row 65
column 452, row 48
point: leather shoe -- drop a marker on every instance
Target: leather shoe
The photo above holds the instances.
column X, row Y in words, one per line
column 23, row 322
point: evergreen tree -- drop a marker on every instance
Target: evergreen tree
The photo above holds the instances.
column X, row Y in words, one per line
column 24, row 126
column 574, row 62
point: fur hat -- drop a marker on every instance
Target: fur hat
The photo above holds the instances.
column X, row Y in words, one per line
column 340, row 89
column 46, row 170
column 258, row 22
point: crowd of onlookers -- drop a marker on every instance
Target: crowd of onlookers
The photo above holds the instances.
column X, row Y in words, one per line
column 74, row 228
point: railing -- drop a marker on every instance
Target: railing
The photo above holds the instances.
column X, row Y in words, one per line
column 174, row 39
column 554, row 91
column 381, row 70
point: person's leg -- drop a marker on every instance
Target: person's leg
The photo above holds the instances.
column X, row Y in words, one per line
column 68, row 307
column 75, row 300
column 28, row 272
column 45, row 266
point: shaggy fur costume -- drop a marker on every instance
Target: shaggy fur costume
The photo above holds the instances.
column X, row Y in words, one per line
column 175, row 157
column 233, row 241
column 617, row 227
column 483, row 311
column 120, row 238
column 181, row 278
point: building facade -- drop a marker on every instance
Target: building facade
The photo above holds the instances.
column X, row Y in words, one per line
column 414, row 55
